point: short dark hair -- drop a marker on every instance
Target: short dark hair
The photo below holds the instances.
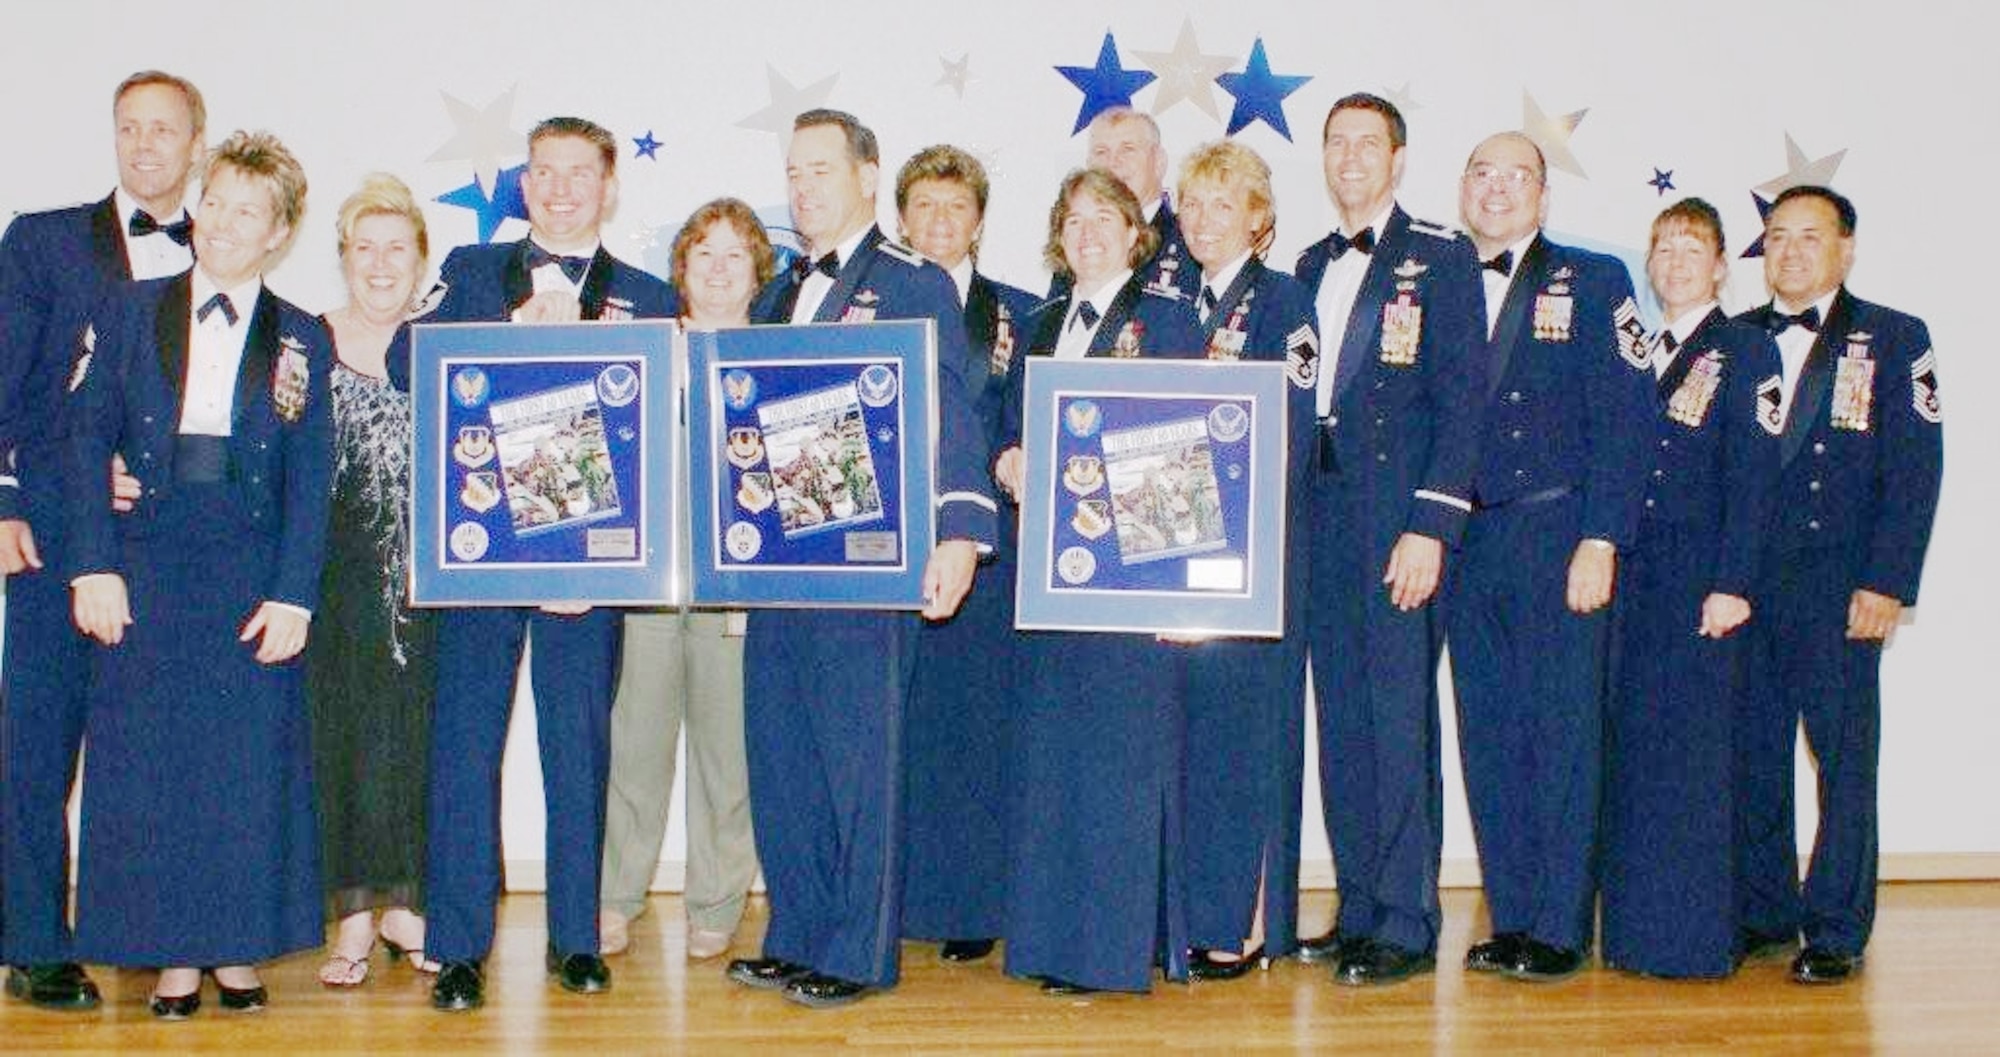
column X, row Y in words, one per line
column 197, row 111
column 1842, row 207
column 584, row 129
column 1689, row 214
column 1399, row 131
column 861, row 146
column 947, row 163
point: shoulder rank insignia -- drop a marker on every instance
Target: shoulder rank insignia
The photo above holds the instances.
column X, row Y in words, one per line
column 288, row 382
column 1923, row 388
column 1770, row 405
column 1436, row 231
column 1302, row 357
column 1631, row 333
column 897, row 251
column 86, row 347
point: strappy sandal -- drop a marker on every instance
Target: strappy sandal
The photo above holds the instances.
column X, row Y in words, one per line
column 340, row 971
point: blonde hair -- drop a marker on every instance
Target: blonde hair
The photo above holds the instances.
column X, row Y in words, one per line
column 261, row 155
column 1228, row 164
column 381, row 194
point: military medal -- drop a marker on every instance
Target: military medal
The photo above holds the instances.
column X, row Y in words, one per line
column 1127, row 344
column 615, row 310
column 746, row 447
column 1555, row 308
column 1402, row 330
column 1003, row 342
column 288, row 383
column 861, row 309
column 1226, row 343
column 1083, row 474
column 474, row 447
column 1853, row 391
column 1690, row 402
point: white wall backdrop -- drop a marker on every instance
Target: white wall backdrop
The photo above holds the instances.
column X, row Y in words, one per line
column 1891, row 102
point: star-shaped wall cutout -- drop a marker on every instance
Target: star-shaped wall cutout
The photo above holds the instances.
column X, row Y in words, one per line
column 1799, row 171
column 1404, row 101
column 1186, row 75
column 1260, row 94
column 788, row 102
column 956, row 75
column 1105, row 85
column 505, row 201
column 1552, row 135
column 648, row 146
column 1756, row 247
column 1662, row 181
column 481, row 135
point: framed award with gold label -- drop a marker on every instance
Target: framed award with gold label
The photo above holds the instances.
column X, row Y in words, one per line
column 545, row 464
column 1154, row 498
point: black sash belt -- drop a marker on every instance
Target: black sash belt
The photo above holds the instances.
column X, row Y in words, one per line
column 200, row 459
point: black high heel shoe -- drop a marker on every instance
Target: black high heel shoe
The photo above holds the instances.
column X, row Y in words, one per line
column 240, row 999
column 1204, row 965
column 176, row 1007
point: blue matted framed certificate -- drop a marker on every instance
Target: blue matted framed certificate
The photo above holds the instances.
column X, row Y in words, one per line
column 811, row 464
column 545, row 464
column 1154, row 498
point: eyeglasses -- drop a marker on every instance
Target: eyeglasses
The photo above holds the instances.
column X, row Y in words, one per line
column 1513, row 179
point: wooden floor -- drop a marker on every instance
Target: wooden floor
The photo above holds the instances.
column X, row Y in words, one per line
column 1932, row 985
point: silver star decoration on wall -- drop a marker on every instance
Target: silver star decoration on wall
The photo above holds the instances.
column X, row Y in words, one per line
column 1186, row 75
column 788, row 102
column 1404, row 101
column 956, row 75
column 1800, row 171
column 482, row 135
column 1552, row 135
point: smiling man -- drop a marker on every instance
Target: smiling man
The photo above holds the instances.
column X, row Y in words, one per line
column 1397, row 405
column 56, row 268
column 823, row 718
column 1556, row 487
column 560, row 273
column 1863, row 458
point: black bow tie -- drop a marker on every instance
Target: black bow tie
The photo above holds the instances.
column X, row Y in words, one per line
column 221, row 302
column 1781, row 322
column 573, row 268
column 1363, row 243
column 143, row 225
column 1086, row 315
column 804, row 266
column 1502, row 263
column 1209, row 302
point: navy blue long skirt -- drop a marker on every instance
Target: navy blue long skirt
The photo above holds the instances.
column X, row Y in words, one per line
column 1668, row 883
column 200, row 845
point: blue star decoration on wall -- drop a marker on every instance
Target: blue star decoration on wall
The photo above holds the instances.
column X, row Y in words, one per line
column 1756, row 247
column 1662, row 181
column 1260, row 94
column 648, row 146
column 1104, row 85
column 504, row 202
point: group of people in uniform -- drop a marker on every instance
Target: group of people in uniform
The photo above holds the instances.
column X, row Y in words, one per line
column 1652, row 555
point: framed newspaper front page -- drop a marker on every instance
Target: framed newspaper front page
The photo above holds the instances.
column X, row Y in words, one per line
column 811, row 464
column 545, row 463
column 1154, row 498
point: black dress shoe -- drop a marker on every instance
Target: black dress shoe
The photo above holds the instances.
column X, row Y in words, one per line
column 1204, row 965
column 176, row 1007
column 1755, row 946
column 1541, row 963
column 459, row 986
column 1328, row 948
column 1817, row 965
column 57, row 985
column 241, row 999
column 821, row 991
column 1496, row 954
column 1063, row 988
column 765, row 974
column 1375, row 964
column 965, row 950
column 580, row 974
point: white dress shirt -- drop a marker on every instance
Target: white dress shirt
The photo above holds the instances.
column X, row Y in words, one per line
column 215, row 352
column 1680, row 329
column 1795, row 344
column 817, row 285
column 1220, row 284
column 1074, row 342
column 1497, row 285
column 1338, row 289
